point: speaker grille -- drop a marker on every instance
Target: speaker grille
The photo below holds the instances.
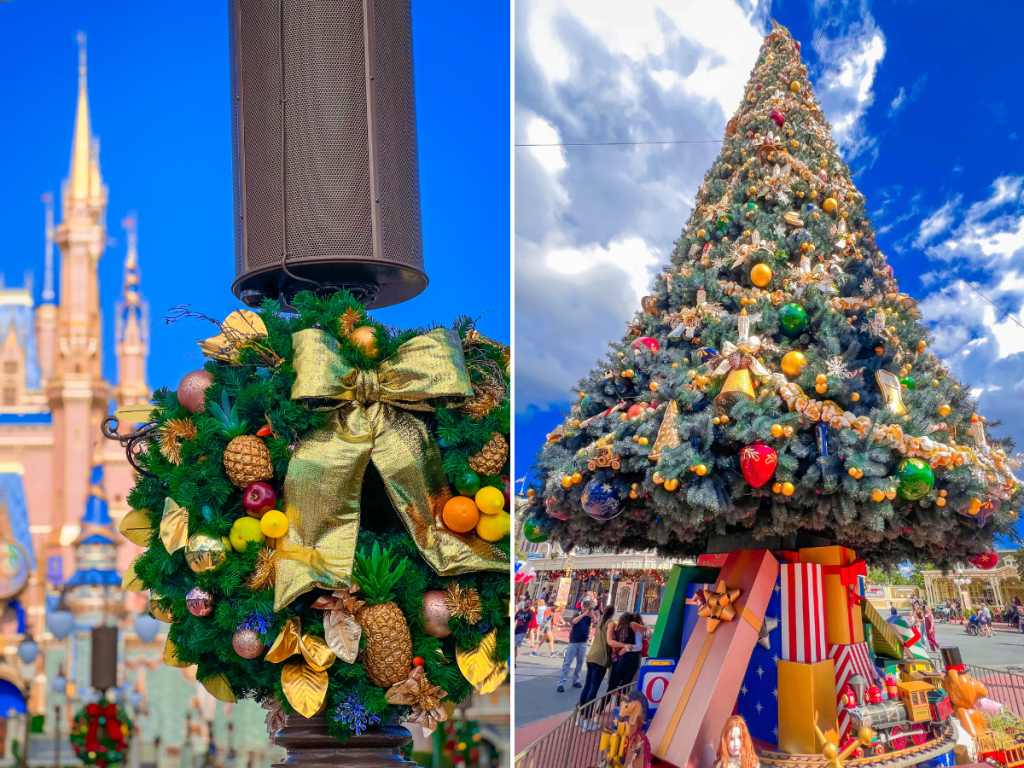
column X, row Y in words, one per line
column 326, row 166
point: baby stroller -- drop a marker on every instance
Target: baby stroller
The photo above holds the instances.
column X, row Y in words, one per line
column 943, row 614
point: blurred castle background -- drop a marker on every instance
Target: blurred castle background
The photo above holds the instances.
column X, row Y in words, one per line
column 63, row 492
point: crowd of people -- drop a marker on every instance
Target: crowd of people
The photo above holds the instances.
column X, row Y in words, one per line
column 598, row 644
column 923, row 617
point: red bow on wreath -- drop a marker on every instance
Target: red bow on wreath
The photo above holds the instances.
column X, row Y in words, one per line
column 111, row 723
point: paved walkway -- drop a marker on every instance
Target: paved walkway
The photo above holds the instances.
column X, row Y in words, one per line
column 539, row 706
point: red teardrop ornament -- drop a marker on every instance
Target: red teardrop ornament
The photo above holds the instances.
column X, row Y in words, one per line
column 757, row 462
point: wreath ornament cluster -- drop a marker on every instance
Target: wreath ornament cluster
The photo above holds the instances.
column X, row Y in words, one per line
column 283, row 490
column 101, row 733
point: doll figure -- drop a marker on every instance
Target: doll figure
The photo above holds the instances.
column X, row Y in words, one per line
column 736, row 750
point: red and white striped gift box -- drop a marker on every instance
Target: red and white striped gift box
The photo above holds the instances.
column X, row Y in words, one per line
column 803, row 613
column 850, row 660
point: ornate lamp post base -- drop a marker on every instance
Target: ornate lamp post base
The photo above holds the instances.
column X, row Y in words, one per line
column 309, row 745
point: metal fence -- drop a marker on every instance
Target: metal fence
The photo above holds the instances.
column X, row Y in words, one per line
column 1005, row 687
column 576, row 741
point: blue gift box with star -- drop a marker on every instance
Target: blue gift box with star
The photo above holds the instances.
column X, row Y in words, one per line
column 758, row 702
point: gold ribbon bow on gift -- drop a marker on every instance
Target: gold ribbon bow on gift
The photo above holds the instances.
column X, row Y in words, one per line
column 370, row 417
column 741, row 355
column 720, row 605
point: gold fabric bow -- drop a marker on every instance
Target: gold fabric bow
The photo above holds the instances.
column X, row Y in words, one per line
column 742, row 355
column 370, row 419
column 719, row 606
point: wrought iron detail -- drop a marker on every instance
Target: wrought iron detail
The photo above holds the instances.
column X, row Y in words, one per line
column 132, row 442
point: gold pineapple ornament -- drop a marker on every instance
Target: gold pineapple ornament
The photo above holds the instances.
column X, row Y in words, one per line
column 492, row 456
column 246, row 457
column 387, row 655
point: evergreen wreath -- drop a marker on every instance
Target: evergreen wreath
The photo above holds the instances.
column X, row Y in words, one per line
column 101, row 733
column 211, row 592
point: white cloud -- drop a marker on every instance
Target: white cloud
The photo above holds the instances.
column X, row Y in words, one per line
column 938, row 221
column 897, row 103
column 978, row 327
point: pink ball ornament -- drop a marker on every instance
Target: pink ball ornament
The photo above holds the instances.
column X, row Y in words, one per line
column 192, row 390
column 646, row 341
column 777, row 117
column 199, row 602
column 556, row 510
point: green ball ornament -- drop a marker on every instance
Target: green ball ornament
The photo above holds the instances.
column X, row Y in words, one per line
column 584, row 404
column 793, row 319
column 751, row 206
column 532, row 531
column 723, row 222
column 908, row 382
column 915, row 479
column 468, row 483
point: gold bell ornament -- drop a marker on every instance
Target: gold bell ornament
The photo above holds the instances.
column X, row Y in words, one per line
column 739, row 365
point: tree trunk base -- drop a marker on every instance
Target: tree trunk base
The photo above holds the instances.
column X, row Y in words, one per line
column 309, row 745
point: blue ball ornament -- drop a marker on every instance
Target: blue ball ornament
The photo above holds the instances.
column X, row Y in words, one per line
column 601, row 501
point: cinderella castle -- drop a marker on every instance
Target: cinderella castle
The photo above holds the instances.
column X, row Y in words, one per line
column 63, row 492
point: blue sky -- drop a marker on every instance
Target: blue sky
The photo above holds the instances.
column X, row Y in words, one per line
column 159, row 94
column 922, row 97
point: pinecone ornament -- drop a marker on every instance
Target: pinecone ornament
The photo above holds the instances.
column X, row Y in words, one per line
column 491, row 457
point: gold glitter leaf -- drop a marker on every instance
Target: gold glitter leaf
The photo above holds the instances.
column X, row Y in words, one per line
column 304, row 687
column 220, row 689
column 238, row 328
column 171, row 655
column 477, row 665
column 496, row 678
column 134, row 413
column 174, row 526
column 316, row 652
column 286, row 644
column 135, row 527
column 342, row 633
column 131, row 582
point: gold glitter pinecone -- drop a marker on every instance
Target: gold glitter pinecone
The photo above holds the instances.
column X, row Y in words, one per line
column 491, row 457
column 247, row 460
column 388, row 652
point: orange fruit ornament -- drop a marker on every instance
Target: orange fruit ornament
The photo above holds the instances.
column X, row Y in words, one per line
column 460, row 514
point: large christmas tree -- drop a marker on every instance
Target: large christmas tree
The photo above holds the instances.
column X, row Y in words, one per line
column 777, row 381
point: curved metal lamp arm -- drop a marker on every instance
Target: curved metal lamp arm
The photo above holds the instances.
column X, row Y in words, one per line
column 131, row 441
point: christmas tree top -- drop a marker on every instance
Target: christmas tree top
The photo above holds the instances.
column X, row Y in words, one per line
column 777, row 380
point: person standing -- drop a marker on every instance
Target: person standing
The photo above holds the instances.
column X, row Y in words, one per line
column 579, row 633
column 985, row 617
column 630, row 632
column 524, row 616
column 929, row 628
column 545, row 630
column 599, row 659
column 536, row 634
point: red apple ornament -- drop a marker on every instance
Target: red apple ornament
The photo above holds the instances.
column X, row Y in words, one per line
column 259, row 499
column 646, row 341
column 757, row 462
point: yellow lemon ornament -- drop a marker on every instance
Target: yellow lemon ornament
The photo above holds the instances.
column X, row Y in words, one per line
column 490, row 501
column 494, row 526
column 244, row 530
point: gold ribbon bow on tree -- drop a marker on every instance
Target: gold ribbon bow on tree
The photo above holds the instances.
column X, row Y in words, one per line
column 370, row 417
column 720, row 605
column 741, row 355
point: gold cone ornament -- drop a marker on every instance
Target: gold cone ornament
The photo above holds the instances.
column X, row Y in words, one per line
column 668, row 432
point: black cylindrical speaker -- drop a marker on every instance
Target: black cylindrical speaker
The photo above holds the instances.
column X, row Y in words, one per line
column 326, row 172
column 103, row 676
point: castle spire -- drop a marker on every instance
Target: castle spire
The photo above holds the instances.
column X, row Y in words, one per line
column 132, row 332
column 84, row 182
column 48, row 293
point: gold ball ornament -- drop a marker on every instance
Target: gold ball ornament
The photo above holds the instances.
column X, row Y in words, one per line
column 793, row 363
column 877, row 494
column 922, row 345
column 160, row 613
column 205, row 553
column 658, row 478
column 576, row 479
column 761, row 275
column 364, row 338
column 787, row 431
column 788, row 489
column 643, row 441
column 944, row 410
column 830, row 204
column 821, row 389
column 777, row 430
column 701, row 470
column 247, row 643
column 701, row 233
column 794, row 86
column 653, row 386
column 192, row 390
column 940, row 502
column 671, row 484
column 776, row 487
column 890, row 494
column 567, row 482
column 435, row 614
column 855, row 397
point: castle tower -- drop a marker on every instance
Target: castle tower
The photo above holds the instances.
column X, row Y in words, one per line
column 77, row 393
column 94, row 592
column 46, row 312
column 132, row 332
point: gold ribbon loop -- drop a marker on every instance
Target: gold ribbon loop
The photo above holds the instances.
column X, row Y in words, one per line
column 369, row 420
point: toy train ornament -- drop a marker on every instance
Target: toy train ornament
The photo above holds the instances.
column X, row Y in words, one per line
column 918, row 714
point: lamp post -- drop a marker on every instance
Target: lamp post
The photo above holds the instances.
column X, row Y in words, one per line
column 28, row 652
column 60, row 687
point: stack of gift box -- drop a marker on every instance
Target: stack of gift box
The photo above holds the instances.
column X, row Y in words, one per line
column 774, row 637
